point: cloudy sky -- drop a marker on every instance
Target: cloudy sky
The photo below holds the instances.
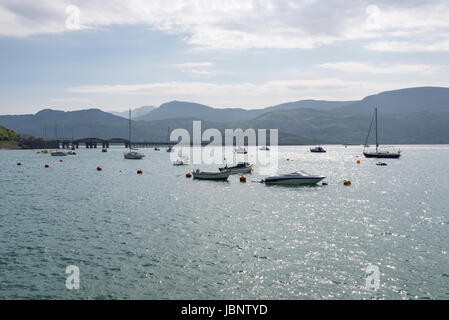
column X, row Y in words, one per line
column 118, row 54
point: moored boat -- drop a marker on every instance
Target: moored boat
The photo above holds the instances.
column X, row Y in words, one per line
column 223, row 175
column 318, row 150
column 132, row 155
column 295, row 178
column 380, row 152
column 241, row 167
column 241, row 150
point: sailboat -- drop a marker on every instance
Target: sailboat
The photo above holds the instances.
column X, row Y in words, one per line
column 132, row 155
column 57, row 153
column 379, row 153
column 170, row 148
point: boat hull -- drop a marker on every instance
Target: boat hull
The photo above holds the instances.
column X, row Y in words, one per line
column 211, row 176
column 293, row 181
column 133, row 156
column 382, row 155
column 238, row 170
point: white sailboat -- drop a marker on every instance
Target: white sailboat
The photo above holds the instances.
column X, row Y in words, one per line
column 132, row 155
column 379, row 152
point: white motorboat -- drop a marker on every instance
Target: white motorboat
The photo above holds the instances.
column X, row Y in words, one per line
column 318, row 150
column 224, row 175
column 241, row 167
column 295, row 178
column 132, row 155
column 241, row 150
column 264, row 148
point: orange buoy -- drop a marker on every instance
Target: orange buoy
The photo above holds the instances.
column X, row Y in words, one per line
column 19, row 163
column 47, row 166
column 242, row 179
column 99, row 168
column 358, row 161
column 139, row 171
column 188, row 175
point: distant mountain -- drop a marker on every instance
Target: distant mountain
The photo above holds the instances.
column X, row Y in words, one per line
column 136, row 113
column 431, row 99
column 414, row 115
column 180, row 109
column 83, row 123
column 310, row 104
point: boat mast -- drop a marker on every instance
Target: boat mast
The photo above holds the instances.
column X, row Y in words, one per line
column 377, row 143
column 129, row 130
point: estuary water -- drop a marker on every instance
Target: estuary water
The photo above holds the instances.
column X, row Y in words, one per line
column 160, row 235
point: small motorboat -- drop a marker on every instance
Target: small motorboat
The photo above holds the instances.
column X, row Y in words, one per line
column 318, row 150
column 223, row 175
column 181, row 161
column 132, row 155
column 382, row 164
column 58, row 154
column 295, row 178
column 104, row 150
column 71, row 153
column 157, row 149
column 241, row 167
column 241, row 150
column 264, row 148
column 169, row 149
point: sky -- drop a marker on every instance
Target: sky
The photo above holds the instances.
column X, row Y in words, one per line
column 115, row 55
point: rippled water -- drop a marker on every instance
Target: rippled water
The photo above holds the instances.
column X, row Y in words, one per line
column 162, row 236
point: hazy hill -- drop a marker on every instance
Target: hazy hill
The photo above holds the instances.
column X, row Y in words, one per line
column 415, row 115
column 180, row 109
column 431, row 99
column 136, row 113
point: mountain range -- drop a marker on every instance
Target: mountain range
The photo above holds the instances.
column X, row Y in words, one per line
column 412, row 115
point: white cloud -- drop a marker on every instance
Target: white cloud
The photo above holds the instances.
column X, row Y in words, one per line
column 241, row 24
column 409, row 46
column 364, row 68
column 71, row 99
column 193, row 65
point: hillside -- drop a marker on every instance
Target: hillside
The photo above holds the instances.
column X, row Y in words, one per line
column 136, row 113
column 8, row 135
column 414, row 115
column 403, row 101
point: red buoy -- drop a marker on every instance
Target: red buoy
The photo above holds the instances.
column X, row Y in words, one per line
column 61, row 160
column 47, row 166
column 99, row 168
column 242, row 179
column 139, row 171
column 19, row 163
column 188, row 175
